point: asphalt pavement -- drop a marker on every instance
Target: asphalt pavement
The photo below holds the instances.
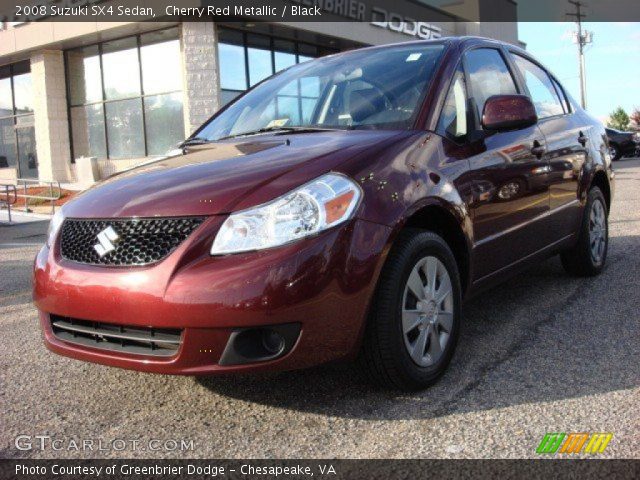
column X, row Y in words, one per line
column 542, row 353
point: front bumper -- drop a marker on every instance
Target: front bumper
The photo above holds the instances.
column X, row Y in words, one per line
column 323, row 283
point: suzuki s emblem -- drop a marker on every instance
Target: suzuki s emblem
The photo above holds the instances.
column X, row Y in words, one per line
column 107, row 239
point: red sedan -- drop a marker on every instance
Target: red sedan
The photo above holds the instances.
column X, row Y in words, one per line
column 345, row 206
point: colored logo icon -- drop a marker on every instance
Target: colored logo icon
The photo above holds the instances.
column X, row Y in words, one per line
column 592, row 443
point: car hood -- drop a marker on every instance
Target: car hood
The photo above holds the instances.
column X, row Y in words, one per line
column 224, row 176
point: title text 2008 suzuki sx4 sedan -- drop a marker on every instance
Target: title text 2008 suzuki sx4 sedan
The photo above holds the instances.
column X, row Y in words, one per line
column 343, row 208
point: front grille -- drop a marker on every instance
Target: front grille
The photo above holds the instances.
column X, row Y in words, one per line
column 158, row 342
column 139, row 241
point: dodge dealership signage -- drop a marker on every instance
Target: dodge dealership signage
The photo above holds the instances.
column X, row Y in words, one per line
column 378, row 16
column 408, row 26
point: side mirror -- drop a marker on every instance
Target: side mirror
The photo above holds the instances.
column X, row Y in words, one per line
column 508, row 112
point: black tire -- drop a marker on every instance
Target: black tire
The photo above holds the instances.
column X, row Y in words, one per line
column 384, row 355
column 579, row 260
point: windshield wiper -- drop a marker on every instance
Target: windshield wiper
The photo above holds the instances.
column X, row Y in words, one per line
column 194, row 141
column 279, row 130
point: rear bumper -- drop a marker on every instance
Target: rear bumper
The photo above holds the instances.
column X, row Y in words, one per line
column 323, row 283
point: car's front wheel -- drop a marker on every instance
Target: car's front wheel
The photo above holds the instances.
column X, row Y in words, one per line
column 415, row 316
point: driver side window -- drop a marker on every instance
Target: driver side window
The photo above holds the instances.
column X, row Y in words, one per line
column 488, row 76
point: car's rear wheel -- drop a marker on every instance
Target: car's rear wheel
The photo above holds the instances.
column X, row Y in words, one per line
column 414, row 320
column 588, row 256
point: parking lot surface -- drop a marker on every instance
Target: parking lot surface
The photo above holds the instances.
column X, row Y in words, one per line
column 543, row 353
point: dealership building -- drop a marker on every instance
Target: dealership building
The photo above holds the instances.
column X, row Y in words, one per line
column 125, row 92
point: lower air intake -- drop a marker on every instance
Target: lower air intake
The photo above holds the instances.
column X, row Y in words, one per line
column 158, row 342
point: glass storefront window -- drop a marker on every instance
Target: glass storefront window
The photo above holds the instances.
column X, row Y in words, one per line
column 23, row 93
column 233, row 75
column 259, row 58
column 284, row 54
column 121, row 69
column 259, row 65
column 6, row 102
column 17, row 135
column 232, row 55
column 27, row 156
column 159, row 112
column 126, row 96
column 160, row 57
column 245, row 59
column 284, row 60
column 8, row 143
column 88, row 132
column 125, row 131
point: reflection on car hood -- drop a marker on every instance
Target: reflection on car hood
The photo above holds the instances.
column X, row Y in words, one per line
column 222, row 177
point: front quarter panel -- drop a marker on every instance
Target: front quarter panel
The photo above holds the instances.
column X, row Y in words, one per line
column 410, row 174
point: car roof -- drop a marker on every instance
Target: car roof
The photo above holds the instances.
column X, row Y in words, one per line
column 466, row 41
column 451, row 43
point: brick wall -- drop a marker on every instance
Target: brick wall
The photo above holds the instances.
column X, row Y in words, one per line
column 50, row 116
column 200, row 73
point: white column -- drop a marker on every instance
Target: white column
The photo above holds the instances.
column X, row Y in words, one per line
column 50, row 116
column 200, row 73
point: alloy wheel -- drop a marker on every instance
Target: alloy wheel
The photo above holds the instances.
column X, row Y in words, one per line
column 427, row 311
column 597, row 231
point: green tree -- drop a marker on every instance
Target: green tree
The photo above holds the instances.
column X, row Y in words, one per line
column 619, row 119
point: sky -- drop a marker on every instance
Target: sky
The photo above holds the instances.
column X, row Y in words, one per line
column 612, row 61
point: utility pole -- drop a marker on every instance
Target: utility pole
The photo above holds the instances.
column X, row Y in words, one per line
column 581, row 39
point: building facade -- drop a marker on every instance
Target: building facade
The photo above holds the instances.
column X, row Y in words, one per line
column 126, row 92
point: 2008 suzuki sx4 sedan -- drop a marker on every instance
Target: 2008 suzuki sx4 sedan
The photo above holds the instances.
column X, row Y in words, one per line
column 343, row 208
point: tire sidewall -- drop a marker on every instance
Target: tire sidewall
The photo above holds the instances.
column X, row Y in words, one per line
column 423, row 245
column 595, row 195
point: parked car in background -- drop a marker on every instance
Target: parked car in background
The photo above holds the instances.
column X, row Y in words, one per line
column 345, row 207
column 623, row 143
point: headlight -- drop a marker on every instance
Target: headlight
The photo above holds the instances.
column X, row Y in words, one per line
column 54, row 227
column 312, row 208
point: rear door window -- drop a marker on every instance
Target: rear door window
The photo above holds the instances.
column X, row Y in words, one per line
column 543, row 93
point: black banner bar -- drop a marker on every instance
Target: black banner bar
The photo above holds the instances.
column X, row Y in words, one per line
column 317, row 469
column 395, row 12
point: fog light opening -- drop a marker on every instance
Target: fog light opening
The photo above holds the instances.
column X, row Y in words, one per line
column 259, row 344
column 272, row 342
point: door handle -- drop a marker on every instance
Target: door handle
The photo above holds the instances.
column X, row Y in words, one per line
column 583, row 139
column 538, row 149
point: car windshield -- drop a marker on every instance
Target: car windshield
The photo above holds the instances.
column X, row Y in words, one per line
column 376, row 89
